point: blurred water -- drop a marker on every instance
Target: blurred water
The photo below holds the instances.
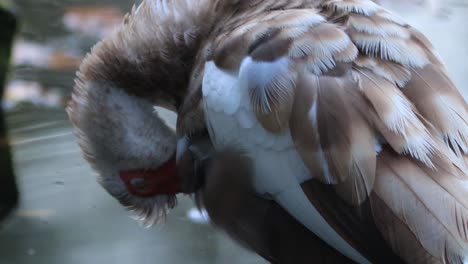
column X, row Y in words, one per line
column 65, row 217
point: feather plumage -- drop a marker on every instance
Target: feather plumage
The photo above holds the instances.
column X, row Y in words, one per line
column 362, row 76
column 439, row 101
column 423, row 203
column 271, row 89
column 346, row 139
column 341, row 91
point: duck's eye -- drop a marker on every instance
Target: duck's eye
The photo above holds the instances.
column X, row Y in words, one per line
column 138, row 183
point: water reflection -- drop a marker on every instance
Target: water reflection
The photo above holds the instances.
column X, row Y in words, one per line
column 65, row 217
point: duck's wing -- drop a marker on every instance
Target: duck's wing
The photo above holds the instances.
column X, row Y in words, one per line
column 372, row 113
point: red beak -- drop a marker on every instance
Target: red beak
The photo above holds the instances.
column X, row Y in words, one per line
column 152, row 182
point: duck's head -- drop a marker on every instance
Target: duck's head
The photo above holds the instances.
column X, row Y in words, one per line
column 146, row 62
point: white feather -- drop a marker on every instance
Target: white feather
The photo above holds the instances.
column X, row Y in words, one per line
column 299, row 206
column 365, row 25
column 278, row 167
column 365, row 7
column 393, row 49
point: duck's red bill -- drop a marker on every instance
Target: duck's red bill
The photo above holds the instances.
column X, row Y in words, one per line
column 152, row 182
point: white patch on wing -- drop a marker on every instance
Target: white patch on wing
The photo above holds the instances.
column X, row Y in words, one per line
column 319, row 47
column 278, row 167
column 402, row 120
column 393, row 49
column 421, row 147
column 401, row 115
column 257, row 76
column 366, row 25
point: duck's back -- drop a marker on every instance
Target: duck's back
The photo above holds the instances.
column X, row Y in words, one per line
column 356, row 99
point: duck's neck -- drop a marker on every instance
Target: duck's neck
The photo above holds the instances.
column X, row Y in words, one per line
column 152, row 54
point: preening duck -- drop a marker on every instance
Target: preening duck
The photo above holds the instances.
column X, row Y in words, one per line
column 346, row 114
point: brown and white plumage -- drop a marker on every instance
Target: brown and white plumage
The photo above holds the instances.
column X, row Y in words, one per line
column 341, row 93
column 370, row 110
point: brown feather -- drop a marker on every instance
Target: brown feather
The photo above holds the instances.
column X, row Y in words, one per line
column 346, row 139
column 391, row 71
column 377, row 25
column 392, row 48
column 398, row 236
column 347, row 55
column 431, row 205
column 354, row 223
column 324, row 120
column 401, row 125
column 322, row 48
column 438, row 100
column 271, row 50
column 272, row 99
column 304, row 131
column 230, row 54
column 422, row 40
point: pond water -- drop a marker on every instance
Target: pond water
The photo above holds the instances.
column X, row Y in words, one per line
column 64, row 216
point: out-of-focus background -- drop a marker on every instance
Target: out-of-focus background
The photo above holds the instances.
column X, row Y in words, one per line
column 64, row 216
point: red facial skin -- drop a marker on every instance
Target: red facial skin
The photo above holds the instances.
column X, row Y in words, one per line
column 160, row 181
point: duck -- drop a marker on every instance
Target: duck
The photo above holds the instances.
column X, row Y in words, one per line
column 346, row 116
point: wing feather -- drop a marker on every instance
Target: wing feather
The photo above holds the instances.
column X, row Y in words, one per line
column 399, row 118
column 426, row 203
column 346, row 139
column 371, row 111
column 439, row 101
